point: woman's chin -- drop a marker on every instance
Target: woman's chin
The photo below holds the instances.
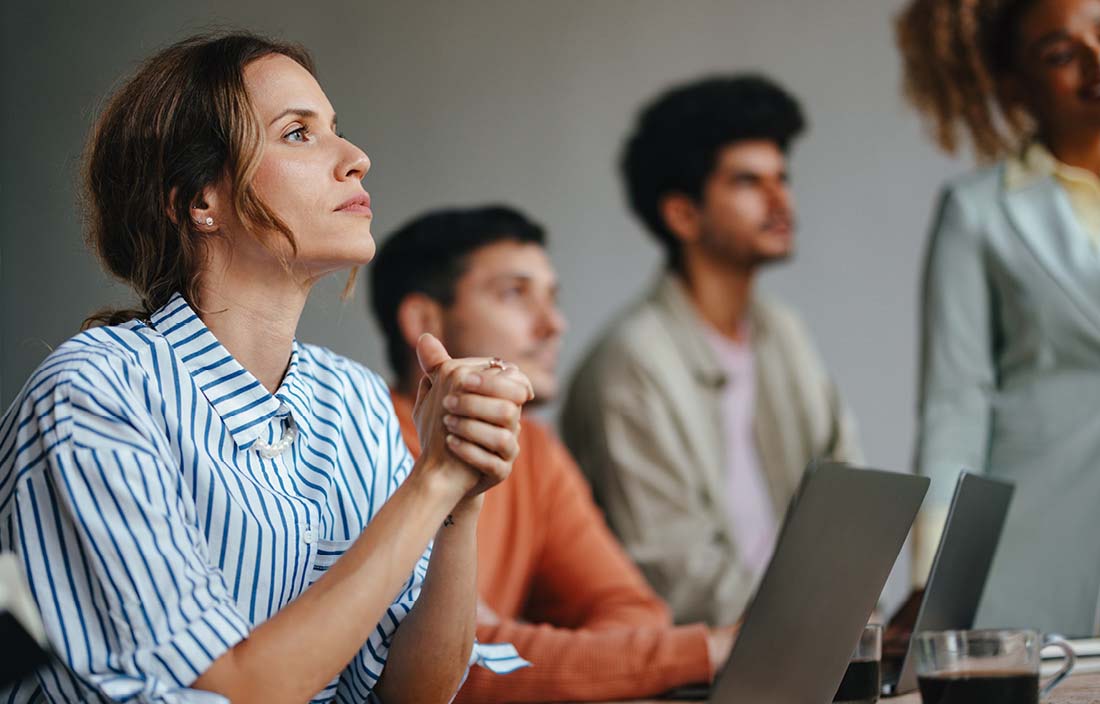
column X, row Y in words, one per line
column 352, row 252
column 360, row 247
column 369, row 248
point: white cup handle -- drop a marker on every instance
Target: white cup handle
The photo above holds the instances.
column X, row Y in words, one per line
column 1067, row 664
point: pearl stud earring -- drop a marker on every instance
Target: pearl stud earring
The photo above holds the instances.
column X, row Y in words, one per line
column 209, row 221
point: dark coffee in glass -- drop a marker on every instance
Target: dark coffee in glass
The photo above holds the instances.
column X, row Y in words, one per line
column 980, row 687
column 862, row 682
column 975, row 667
column 863, row 679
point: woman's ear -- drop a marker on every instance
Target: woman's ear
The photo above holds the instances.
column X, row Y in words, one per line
column 1011, row 94
column 1016, row 103
column 203, row 212
column 206, row 209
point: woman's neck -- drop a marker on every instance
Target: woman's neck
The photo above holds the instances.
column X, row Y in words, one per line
column 1080, row 148
column 255, row 318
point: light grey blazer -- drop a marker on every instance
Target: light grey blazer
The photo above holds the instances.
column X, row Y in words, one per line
column 1010, row 386
column 643, row 417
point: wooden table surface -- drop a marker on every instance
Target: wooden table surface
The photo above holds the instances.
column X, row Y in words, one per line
column 1078, row 689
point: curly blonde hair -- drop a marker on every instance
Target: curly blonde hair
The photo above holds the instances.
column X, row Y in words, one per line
column 954, row 52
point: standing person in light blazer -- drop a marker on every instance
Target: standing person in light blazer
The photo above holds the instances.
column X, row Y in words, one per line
column 1010, row 382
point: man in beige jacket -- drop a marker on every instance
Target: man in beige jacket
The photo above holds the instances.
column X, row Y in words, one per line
column 697, row 412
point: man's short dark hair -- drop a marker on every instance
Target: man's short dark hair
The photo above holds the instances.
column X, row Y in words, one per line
column 429, row 254
column 677, row 139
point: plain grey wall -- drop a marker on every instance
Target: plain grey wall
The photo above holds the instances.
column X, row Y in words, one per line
column 522, row 102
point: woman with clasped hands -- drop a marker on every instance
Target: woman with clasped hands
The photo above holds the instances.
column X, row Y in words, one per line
column 207, row 509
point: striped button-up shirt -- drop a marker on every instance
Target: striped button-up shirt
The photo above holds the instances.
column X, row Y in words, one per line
column 141, row 487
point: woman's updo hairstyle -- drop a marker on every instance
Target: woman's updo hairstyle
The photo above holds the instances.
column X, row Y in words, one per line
column 181, row 123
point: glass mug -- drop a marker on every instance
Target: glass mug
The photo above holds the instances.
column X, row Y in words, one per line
column 862, row 681
column 974, row 667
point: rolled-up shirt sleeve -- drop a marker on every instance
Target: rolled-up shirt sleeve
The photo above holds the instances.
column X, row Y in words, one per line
column 119, row 568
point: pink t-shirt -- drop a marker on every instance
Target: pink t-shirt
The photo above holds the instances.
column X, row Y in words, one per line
column 752, row 513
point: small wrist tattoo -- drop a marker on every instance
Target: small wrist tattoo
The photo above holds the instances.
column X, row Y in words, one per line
column 449, row 520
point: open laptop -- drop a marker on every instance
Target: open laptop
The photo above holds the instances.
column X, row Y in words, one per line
column 841, row 536
column 960, row 568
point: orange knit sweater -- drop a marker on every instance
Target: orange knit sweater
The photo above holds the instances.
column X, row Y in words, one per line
column 568, row 597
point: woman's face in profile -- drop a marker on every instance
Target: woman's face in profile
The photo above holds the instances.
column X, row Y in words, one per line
column 308, row 174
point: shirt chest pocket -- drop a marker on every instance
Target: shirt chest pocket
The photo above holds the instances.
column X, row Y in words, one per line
column 325, row 555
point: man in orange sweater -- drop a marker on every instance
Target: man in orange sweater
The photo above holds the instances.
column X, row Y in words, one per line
column 552, row 579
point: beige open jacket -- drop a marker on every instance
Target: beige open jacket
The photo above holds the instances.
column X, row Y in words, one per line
column 643, row 419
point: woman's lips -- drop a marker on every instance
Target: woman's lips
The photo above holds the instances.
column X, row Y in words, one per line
column 359, row 205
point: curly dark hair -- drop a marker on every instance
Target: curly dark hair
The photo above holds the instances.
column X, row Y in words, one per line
column 675, row 144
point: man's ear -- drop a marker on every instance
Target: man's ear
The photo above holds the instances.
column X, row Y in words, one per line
column 418, row 314
column 682, row 217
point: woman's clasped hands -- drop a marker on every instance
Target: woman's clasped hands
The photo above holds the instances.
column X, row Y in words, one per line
column 467, row 416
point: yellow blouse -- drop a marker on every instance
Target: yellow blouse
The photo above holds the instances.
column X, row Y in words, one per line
column 1082, row 186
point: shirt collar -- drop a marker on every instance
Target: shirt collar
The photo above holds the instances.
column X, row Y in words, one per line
column 1035, row 162
column 725, row 348
column 296, row 393
column 672, row 295
column 238, row 397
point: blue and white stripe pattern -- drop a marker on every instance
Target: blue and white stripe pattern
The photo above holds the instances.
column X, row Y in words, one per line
column 501, row 658
column 152, row 532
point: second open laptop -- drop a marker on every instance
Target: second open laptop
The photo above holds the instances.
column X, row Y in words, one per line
column 840, row 539
column 961, row 566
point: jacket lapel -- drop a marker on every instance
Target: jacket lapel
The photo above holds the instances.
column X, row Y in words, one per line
column 1042, row 217
column 709, row 377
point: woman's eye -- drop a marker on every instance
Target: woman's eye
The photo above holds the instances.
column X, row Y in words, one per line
column 298, row 135
column 1058, row 58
